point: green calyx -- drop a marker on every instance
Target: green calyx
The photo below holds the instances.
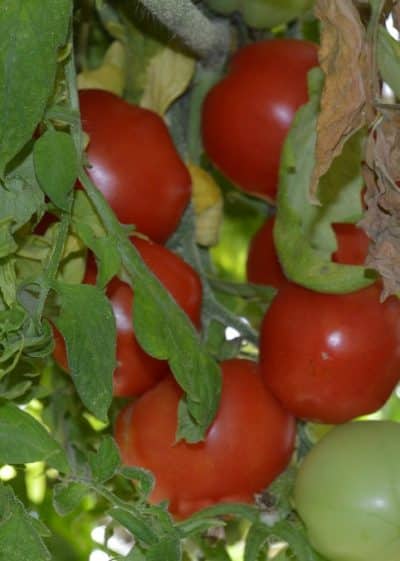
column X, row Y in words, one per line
column 263, row 13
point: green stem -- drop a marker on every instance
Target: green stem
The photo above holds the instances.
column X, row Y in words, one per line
column 209, row 39
column 205, row 79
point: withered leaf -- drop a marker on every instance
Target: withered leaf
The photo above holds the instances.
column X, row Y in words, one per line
column 382, row 218
column 344, row 59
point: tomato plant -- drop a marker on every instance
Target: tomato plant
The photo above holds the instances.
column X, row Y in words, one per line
column 137, row 371
column 209, row 86
column 134, row 163
column 247, row 115
column 346, row 492
column 248, row 444
column 330, row 357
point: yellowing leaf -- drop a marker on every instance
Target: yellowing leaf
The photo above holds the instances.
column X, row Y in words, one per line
column 168, row 75
column 208, row 206
column 110, row 75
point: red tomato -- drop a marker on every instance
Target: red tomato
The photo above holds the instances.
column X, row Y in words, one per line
column 247, row 115
column 134, row 163
column 249, row 443
column 331, row 358
column 136, row 370
column 263, row 266
column 352, row 243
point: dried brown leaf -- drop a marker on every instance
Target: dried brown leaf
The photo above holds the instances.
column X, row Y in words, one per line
column 344, row 59
column 382, row 218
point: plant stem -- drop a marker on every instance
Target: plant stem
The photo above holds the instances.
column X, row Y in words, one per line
column 208, row 39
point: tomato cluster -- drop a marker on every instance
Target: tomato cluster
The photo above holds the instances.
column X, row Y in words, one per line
column 147, row 184
column 323, row 357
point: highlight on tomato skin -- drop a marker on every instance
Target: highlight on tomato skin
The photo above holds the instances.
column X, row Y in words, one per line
column 137, row 371
column 247, row 115
column 329, row 357
column 249, row 443
column 135, row 164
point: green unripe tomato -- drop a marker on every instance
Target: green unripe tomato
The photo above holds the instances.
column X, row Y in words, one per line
column 263, row 13
column 347, row 492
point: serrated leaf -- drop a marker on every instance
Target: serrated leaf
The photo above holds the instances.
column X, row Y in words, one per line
column 105, row 462
column 388, row 56
column 19, row 538
column 164, row 331
column 68, row 496
column 144, row 477
column 87, row 323
column 136, row 524
column 303, row 234
column 23, row 439
column 56, row 166
column 168, row 75
column 31, row 31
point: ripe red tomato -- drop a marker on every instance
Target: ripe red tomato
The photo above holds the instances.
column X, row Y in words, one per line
column 134, row 163
column 328, row 357
column 247, row 115
column 262, row 265
column 352, row 243
column 249, row 443
column 136, row 370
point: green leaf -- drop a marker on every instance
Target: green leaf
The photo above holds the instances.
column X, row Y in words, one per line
column 8, row 280
column 245, row 511
column 84, row 214
column 21, row 197
column 164, row 331
column 106, row 251
column 388, row 56
column 87, row 323
column 68, row 496
column 31, row 32
column 303, row 233
column 56, row 166
column 144, row 477
column 137, row 525
column 19, row 539
column 23, row 439
column 255, row 540
column 167, row 549
column 105, row 462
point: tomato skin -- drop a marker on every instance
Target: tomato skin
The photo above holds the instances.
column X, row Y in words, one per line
column 137, row 371
column 331, row 358
column 247, row 115
column 352, row 243
column 134, row 163
column 262, row 265
column 347, row 492
column 249, row 443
